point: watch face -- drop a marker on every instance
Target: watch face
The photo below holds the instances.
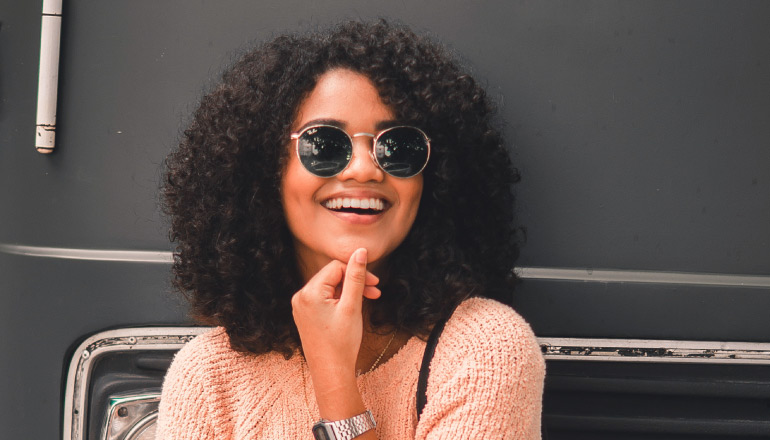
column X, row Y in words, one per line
column 320, row 433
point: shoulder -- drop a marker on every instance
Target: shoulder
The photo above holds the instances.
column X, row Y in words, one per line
column 486, row 335
column 209, row 365
column 482, row 322
column 190, row 369
column 487, row 312
column 210, row 347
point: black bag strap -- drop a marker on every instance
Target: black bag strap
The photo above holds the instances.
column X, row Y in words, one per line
column 422, row 380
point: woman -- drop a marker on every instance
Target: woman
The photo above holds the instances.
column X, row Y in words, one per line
column 337, row 195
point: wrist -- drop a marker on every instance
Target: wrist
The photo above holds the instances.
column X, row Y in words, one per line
column 339, row 403
column 336, row 391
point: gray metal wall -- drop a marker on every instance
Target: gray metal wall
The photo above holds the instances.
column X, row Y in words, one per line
column 640, row 128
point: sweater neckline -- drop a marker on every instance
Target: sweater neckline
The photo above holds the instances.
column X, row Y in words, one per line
column 403, row 351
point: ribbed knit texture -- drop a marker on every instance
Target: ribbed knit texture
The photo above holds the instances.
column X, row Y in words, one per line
column 486, row 382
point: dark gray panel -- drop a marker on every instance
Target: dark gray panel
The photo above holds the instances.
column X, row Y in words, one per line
column 643, row 137
column 645, row 311
column 643, row 401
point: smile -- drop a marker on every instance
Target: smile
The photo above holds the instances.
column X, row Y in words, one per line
column 364, row 206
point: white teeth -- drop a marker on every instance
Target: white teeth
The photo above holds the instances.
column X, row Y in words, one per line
column 371, row 203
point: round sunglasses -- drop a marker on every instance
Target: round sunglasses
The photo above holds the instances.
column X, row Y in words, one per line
column 326, row 150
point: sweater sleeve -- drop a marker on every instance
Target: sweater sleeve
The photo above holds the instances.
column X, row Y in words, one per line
column 486, row 377
column 185, row 409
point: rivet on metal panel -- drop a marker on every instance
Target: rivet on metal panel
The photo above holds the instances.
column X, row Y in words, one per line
column 132, row 340
column 86, row 354
column 123, row 412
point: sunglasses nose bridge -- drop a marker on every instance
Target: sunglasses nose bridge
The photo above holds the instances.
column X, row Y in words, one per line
column 370, row 148
column 363, row 134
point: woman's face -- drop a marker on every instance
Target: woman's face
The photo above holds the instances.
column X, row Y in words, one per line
column 321, row 233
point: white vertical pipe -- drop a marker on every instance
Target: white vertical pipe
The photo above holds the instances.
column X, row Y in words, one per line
column 48, row 81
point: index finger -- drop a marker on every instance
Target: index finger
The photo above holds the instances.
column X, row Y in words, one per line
column 355, row 281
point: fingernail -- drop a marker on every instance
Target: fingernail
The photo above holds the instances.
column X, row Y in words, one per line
column 361, row 256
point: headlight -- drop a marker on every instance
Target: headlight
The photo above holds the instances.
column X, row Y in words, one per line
column 114, row 381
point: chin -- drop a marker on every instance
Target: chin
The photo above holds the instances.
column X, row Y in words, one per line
column 375, row 252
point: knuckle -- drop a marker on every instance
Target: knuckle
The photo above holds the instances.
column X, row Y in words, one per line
column 299, row 299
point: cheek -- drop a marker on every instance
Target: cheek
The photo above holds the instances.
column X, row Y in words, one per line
column 411, row 193
column 297, row 189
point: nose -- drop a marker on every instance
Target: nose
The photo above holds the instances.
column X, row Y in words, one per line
column 362, row 167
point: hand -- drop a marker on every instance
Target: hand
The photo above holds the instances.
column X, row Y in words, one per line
column 327, row 312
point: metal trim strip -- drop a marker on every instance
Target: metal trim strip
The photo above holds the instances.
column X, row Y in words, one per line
column 643, row 276
column 528, row 273
column 652, row 350
column 129, row 256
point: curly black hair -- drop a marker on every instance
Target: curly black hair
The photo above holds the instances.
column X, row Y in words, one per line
column 235, row 258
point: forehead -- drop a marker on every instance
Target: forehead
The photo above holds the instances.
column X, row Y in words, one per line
column 347, row 97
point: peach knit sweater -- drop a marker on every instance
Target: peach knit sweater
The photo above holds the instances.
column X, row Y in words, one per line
column 486, row 382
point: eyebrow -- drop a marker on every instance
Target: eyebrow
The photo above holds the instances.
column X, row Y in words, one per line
column 379, row 126
column 332, row 122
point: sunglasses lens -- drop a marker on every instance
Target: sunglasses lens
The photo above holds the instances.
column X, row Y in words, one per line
column 402, row 151
column 324, row 151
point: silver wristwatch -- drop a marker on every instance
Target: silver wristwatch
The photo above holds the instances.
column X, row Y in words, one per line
column 346, row 429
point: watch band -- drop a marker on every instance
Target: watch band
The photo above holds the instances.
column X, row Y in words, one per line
column 345, row 429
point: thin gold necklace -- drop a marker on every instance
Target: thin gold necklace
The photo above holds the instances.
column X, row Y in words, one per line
column 379, row 358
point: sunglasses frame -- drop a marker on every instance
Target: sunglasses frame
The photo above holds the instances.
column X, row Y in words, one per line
column 375, row 137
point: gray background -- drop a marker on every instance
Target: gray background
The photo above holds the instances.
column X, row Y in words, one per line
column 640, row 128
